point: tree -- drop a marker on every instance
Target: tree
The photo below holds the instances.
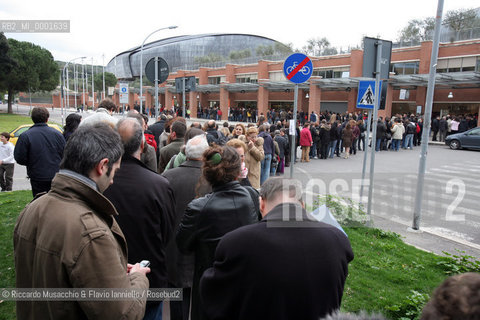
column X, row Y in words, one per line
column 318, row 47
column 264, row 51
column 284, row 49
column 6, row 63
column 456, row 20
column 211, row 58
column 110, row 81
column 418, row 30
column 240, row 54
column 34, row 70
column 461, row 19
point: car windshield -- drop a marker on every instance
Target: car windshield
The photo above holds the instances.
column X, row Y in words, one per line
column 20, row 131
column 474, row 132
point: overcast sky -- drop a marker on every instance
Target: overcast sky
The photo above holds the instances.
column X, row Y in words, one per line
column 110, row 27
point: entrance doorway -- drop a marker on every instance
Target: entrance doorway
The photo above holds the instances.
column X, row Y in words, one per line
column 244, row 111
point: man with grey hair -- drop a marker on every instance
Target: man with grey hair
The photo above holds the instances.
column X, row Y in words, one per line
column 186, row 184
column 292, row 264
column 145, row 203
column 148, row 156
column 68, row 238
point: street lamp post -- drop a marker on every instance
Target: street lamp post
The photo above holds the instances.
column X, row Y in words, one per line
column 103, row 75
column 141, row 64
column 75, row 84
column 83, row 85
column 63, row 84
column 93, row 89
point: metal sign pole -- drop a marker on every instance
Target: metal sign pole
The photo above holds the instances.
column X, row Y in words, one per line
column 183, row 97
column 293, row 147
column 375, row 121
column 156, row 87
column 62, row 102
column 365, row 152
column 426, row 119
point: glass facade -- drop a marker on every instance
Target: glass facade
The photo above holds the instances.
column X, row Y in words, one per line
column 192, row 52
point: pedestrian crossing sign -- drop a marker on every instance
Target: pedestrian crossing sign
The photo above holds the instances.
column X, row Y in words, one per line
column 366, row 94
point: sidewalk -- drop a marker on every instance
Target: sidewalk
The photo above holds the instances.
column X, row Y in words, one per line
column 427, row 239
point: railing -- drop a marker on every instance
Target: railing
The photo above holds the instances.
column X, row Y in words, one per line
column 446, row 36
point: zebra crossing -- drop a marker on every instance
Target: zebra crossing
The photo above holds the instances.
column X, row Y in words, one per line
column 450, row 204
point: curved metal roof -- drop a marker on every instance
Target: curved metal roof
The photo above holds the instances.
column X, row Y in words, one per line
column 184, row 52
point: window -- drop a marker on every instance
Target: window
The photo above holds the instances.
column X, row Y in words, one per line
column 247, row 78
column 458, row 64
column 410, row 68
column 474, row 132
column 339, row 72
column 401, row 68
column 214, row 80
column 277, row 76
column 20, row 131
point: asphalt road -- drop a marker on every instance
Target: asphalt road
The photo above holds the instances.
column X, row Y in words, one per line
column 450, row 218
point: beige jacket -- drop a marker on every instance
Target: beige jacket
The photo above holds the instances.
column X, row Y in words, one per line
column 253, row 159
column 68, row 238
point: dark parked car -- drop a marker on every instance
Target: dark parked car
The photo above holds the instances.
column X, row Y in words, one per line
column 469, row 139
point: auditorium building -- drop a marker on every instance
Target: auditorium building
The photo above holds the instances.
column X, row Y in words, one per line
column 256, row 79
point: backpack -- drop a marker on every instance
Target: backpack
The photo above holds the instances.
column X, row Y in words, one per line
column 417, row 130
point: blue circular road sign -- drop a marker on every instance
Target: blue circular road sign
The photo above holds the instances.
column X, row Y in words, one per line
column 298, row 68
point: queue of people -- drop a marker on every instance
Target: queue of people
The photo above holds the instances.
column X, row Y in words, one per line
column 204, row 205
column 105, row 211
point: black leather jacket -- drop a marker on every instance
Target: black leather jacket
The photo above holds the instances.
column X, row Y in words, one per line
column 204, row 223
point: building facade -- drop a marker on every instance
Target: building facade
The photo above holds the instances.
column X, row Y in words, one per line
column 258, row 84
column 333, row 86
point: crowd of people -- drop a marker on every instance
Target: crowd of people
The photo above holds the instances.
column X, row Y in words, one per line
column 202, row 204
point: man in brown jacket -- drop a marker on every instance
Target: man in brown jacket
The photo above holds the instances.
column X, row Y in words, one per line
column 68, row 237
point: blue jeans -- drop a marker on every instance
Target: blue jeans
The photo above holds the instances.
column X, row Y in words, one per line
column 313, row 150
column 332, row 147
column 265, row 174
column 154, row 312
column 409, row 141
column 273, row 169
column 379, row 143
column 396, row 144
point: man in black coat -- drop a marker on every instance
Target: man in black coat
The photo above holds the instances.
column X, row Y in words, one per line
column 40, row 148
column 288, row 266
column 146, row 206
column 157, row 128
column 381, row 132
column 443, row 128
column 435, row 128
column 283, row 147
column 184, row 181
